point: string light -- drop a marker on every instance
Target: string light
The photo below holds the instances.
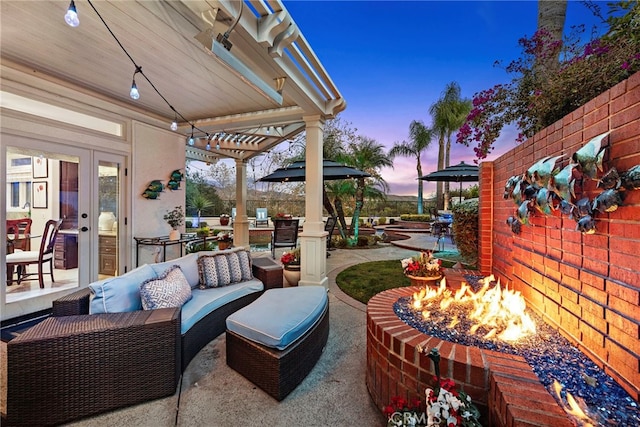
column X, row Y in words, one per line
column 133, row 93
column 71, row 17
column 191, row 141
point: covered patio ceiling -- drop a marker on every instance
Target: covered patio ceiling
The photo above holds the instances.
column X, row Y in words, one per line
column 240, row 111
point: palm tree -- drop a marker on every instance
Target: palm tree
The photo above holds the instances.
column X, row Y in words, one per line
column 199, row 202
column 339, row 190
column 551, row 18
column 367, row 155
column 449, row 113
column 419, row 140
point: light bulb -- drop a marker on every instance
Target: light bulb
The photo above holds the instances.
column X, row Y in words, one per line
column 71, row 17
column 208, row 147
column 217, row 145
column 174, row 125
column 133, row 93
column 191, row 141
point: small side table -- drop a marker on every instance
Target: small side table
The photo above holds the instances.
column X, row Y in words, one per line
column 268, row 271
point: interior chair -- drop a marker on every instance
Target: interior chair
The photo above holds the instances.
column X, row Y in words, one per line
column 284, row 235
column 261, row 217
column 329, row 226
column 21, row 259
column 21, row 231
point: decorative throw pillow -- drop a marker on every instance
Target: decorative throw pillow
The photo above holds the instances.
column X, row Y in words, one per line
column 169, row 290
column 207, row 271
column 222, row 265
column 245, row 265
column 234, row 267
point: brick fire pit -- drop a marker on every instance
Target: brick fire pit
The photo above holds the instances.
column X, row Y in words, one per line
column 503, row 386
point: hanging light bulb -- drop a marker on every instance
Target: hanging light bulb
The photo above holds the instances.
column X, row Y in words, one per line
column 217, row 145
column 237, row 138
column 133, row 93
column 174, row 124
column 71, row 17
column 191, row 141
column 208, row 147
column 268, row 130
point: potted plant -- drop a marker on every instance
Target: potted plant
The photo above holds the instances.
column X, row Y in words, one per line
column 224, row 219
column 175, row 218
column 423, row 269
column 291, row 262
column 203, row 231
column 225, row 240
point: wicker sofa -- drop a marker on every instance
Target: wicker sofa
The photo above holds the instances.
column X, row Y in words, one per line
column 75, row 364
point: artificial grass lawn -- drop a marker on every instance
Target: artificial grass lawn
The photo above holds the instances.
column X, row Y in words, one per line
column 362, row 281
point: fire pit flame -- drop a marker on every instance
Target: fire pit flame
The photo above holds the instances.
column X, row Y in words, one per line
column 573, row 407
column 502, row 310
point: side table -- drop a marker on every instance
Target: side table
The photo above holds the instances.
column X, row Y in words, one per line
column 268, row 271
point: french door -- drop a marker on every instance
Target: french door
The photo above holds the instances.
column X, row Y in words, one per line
column 82, row 187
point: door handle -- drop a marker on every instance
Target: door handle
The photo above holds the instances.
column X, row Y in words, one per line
column 84, row 229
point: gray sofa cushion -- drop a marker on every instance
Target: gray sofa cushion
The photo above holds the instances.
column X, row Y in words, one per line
column 204, row 301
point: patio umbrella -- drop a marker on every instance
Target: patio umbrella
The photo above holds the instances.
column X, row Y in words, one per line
column 461, row 172
column 331, row 170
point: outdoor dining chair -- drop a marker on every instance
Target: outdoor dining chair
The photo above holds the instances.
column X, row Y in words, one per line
column 329, row 226
column 284, row 235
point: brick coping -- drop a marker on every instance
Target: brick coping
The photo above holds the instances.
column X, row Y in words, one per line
column 503, row 386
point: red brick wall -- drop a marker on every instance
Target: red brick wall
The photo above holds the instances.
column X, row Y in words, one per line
column 588, row 286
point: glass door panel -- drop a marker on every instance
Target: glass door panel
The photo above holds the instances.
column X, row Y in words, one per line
column 41, row 185
column 109, row 214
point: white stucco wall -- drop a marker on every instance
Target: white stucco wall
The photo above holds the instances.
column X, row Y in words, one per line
column 156, row 153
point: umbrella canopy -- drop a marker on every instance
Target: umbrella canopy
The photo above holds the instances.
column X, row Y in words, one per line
column 331, row 170
column 461, row 172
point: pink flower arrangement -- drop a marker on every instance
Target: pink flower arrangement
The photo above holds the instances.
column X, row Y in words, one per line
column 424, row 265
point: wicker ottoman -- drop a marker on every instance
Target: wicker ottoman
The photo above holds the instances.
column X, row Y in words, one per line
column 275, row 341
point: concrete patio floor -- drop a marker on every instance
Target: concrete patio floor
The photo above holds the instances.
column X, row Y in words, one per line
column 334, row 393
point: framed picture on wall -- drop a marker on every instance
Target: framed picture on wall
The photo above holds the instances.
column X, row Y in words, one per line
column 40, row 195
column 40, row 167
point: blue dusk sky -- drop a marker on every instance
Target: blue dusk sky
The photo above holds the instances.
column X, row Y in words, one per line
column 392, row 59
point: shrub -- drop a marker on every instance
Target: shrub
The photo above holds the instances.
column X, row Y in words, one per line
column 203, row 224
column 188, row 224
column 363, row 241
column 465, row 230
column 382, row 220
column 416, row 217
column 539, row 96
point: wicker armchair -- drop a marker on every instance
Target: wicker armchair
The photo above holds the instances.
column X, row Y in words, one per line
column 76, row 366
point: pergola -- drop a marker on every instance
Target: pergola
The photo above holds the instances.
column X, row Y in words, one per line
column 239, row 76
